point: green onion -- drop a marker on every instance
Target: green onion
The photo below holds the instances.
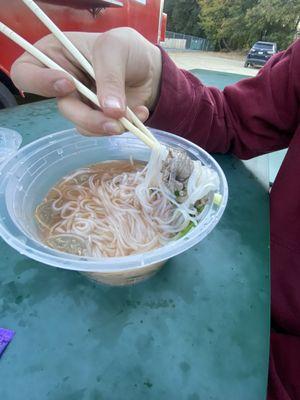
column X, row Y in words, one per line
column 200, row 208
column 177, row 194
column 186, row 230
column 217, row 199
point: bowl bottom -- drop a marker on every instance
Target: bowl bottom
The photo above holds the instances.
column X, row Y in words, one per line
column 126, row 278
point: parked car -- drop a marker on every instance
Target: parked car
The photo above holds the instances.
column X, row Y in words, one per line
column 260, row 53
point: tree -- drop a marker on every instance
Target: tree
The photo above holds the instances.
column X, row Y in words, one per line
column 274, row 20
column 236, row 24
column 223, row 21
column 183, row 16
column 213, row 14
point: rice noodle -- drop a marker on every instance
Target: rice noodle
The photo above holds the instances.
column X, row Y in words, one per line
column 120, row 208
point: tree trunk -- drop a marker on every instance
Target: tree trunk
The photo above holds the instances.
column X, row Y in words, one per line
column 226, row 45
column 297, row 23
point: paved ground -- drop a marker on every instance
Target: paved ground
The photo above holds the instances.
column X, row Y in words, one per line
column 224, row 62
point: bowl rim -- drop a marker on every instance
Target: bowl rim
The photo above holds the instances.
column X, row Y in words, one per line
column 62, row 260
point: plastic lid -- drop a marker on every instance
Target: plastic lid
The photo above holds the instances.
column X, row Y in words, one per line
column 10, row 142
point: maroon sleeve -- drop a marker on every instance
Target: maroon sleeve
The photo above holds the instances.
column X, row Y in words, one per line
column 255, row 116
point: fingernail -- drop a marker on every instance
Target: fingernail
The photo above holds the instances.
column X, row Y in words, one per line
column 142, row 115
column 111, row 127
column 62, row 86
column 112, row 102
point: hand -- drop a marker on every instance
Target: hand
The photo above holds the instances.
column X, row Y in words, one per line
column 127, row 68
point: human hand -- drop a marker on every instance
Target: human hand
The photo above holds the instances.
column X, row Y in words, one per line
column 127, row 68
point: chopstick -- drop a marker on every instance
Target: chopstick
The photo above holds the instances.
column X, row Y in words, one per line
column 62, row 38
column 79, row 86
column 66, row 42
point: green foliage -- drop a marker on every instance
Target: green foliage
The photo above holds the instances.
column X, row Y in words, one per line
column 274, row 20
column 237, row 24
column 213, row 16
column 183, row 16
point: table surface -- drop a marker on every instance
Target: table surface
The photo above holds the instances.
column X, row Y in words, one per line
column 199, row 329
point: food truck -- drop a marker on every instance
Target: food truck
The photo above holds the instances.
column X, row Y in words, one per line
column 146, row 16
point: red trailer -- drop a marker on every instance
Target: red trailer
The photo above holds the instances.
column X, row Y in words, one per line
column 146, row 16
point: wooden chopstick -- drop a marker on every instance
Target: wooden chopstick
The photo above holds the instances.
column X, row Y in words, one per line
column 66, row 42
column 63, row 39
column 79, row 86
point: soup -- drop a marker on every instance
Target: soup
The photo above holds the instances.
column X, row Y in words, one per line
column 119, row 208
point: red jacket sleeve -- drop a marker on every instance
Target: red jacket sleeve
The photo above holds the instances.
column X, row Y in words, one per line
column 255, row 116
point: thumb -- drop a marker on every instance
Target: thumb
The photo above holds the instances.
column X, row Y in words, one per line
column 109, row 59
column 45, row 82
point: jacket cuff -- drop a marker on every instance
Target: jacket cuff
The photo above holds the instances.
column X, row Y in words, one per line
column 176, row 104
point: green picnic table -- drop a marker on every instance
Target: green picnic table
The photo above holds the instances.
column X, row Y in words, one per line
column 198, row 330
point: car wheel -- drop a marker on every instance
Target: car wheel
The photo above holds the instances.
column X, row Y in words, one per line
column 246, row 64
column 7, row 99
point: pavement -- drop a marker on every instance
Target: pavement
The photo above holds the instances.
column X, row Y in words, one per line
column 222, row 62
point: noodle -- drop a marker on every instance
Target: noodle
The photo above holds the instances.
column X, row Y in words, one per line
column 120, row 208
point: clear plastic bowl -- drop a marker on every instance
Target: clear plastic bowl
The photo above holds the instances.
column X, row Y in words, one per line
column 27, row 176
column 10, row 141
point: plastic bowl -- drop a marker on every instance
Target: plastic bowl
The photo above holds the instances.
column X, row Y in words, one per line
column 27, row 176
column 10, row 141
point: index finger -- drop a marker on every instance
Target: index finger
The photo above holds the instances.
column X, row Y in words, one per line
column 32, row 77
